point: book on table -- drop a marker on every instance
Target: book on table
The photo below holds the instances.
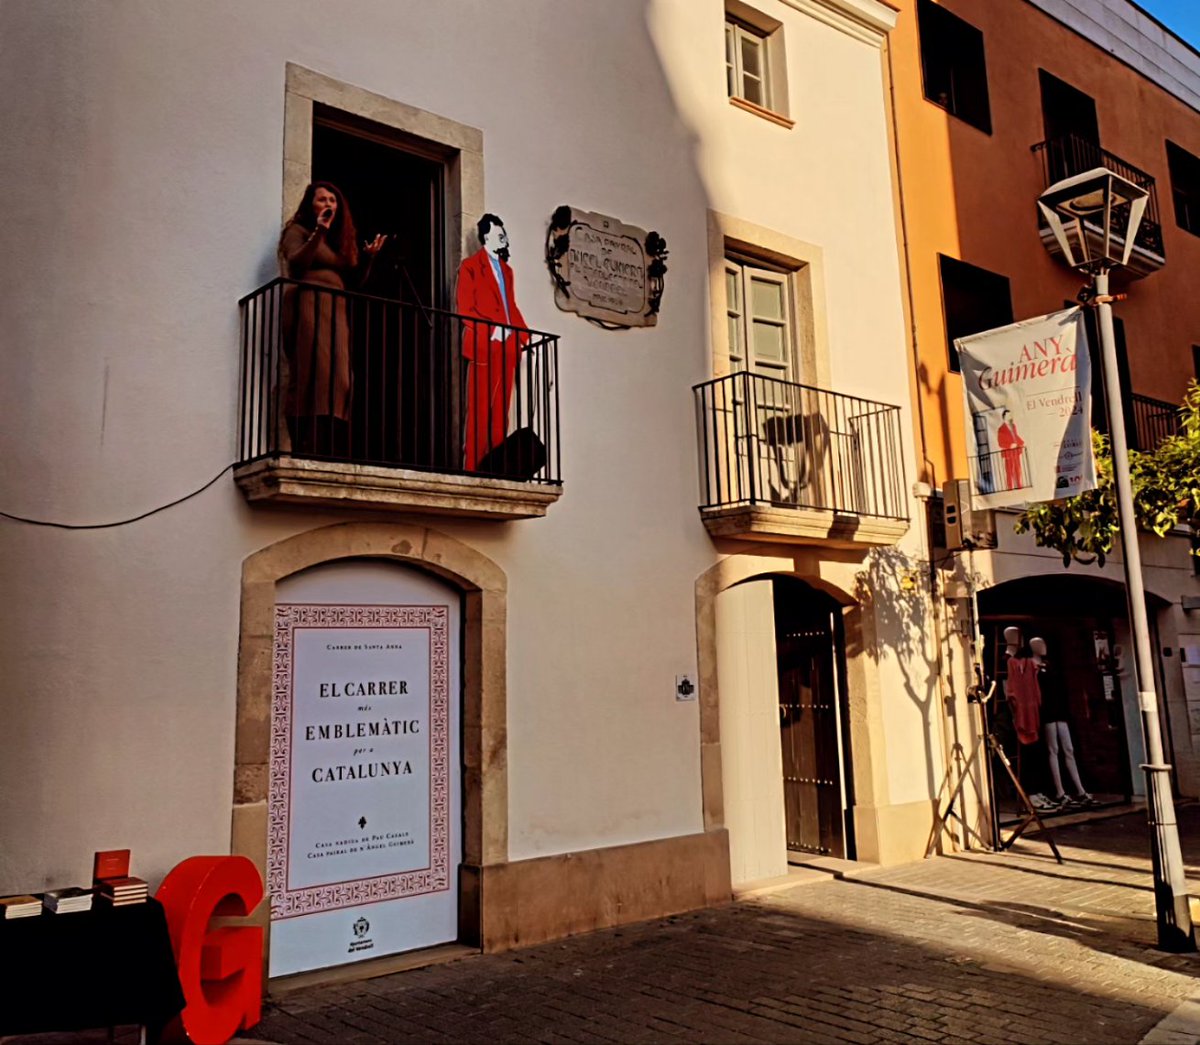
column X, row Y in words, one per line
column 24, row 906
column 110, row 863
column 122, row 891
column 65, row 901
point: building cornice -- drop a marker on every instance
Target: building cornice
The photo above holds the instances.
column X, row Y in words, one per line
column 1124, row 31
column 867, row 20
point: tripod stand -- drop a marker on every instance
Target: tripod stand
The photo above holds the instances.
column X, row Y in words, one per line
column 978, row 696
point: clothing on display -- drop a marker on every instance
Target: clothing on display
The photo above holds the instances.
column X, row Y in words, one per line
column 1024, row 697
column 1055, row 729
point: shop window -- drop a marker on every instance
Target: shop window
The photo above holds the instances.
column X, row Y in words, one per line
column 754, row 59
column 1185, row 187
column 953, row 66
column 973, row 299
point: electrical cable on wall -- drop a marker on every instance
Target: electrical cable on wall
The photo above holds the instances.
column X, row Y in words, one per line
column 118, row 522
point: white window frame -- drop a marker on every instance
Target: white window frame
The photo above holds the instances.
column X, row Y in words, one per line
column 740, row 317
column 736, row 33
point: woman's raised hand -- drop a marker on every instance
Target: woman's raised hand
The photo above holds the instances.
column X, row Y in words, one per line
column 374, row 246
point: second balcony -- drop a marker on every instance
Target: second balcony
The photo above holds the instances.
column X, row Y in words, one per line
column 783, row 462
column 1068, row 155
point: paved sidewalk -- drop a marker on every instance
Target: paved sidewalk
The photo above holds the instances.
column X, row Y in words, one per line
column 982, row 948
column 985, row 948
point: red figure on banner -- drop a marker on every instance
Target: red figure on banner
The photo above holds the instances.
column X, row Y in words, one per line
column 221, row 971
column 1011, row 445
column 493, row 345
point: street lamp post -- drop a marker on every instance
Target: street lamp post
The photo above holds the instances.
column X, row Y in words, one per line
column 1094, row 217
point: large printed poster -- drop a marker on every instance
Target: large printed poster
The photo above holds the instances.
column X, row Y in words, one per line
column 1027, row 391
column 362, row 811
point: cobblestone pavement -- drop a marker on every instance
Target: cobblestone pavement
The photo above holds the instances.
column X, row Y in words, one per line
column 980, row 948
column 988, row 948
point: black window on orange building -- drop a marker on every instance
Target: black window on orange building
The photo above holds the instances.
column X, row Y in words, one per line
column 1185, row 187
column 973, row 300
column 953, row 67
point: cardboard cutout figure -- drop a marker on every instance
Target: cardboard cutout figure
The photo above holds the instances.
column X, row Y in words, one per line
column 493, row 339
column 1011, row 445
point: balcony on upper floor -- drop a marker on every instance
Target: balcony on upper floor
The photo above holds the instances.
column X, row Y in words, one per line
column 1149, row 421
column 359, row 401
column 1069, row 155
column 783, row 462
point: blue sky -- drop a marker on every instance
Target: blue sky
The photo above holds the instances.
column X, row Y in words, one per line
column 1181, row 16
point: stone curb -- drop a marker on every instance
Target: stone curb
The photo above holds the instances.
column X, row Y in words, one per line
column 1179, row 1027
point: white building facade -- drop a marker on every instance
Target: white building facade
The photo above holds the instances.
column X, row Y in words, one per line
column 601, row 670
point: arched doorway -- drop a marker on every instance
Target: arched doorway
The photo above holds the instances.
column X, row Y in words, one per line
column 365, row 797
column 810, row 656
column 479, row 587
column 785, row 751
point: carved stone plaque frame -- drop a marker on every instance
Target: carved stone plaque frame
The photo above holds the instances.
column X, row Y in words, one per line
column 605, row 270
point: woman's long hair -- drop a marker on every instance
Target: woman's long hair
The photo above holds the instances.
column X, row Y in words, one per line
column 342, row 235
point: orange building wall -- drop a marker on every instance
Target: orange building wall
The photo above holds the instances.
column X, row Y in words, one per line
column 970, row 195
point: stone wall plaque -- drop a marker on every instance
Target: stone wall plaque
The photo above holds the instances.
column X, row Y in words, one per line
column 605, row 270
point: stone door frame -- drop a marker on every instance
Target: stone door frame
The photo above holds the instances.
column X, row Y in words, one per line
column 834, row 577
column 484, row 700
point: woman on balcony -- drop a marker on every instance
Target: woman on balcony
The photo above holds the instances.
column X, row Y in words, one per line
column 318, row 248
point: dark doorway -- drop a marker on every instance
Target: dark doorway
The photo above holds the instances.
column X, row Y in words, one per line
column 1072, row 130
column 810, row 658
column 394, row 187
column 1076, row 617
column 404, row 380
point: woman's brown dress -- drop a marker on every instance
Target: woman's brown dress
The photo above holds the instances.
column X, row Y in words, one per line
column 316, row 326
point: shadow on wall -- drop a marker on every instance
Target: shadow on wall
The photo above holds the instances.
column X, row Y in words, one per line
column 893, row 588
column 58, row 802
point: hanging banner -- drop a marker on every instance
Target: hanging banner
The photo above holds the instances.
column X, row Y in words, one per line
column 1027, row 389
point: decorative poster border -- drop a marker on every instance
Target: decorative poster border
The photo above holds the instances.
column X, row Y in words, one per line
column 291, row 903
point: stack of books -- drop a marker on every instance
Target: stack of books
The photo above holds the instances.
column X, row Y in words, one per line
column 120, row 892
column 66, row 901
column 20, row 906
column 114, row 885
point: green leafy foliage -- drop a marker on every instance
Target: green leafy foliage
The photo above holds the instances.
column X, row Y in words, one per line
column 1166, row 493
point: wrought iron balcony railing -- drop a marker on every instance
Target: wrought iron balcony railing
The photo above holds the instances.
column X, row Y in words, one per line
column 1069, row 155
column 336, row 376
column 1153, row 420
column 776, row 443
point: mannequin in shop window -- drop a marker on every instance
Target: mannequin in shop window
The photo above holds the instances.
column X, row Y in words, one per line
column 1053, row 687
column 1024, row 697
column 1024, row 701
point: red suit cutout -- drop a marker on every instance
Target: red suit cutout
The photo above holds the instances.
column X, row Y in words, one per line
column 493, row 352
column 1011, row 445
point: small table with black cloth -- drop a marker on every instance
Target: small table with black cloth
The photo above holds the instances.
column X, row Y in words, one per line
column 107, row 967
